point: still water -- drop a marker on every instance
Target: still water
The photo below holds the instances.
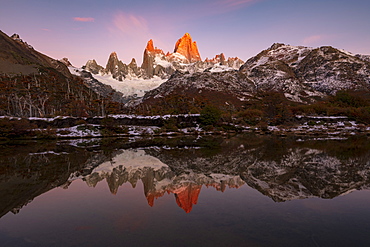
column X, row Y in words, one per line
column 242, row 190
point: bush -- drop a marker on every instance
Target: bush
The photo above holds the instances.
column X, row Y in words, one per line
column 350, row 99
column 210, row 115
column 15, row 128
column 251, row 116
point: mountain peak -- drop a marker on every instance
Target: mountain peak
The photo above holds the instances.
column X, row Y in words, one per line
column 66, row 62
column 150, row 46
column 186, row 47
column 113, row 55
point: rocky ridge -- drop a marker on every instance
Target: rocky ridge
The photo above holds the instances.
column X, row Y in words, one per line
column 156, row 63
column 16, row 56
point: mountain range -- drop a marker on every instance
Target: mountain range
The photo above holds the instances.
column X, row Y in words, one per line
column 302, row 74
column 156, row 63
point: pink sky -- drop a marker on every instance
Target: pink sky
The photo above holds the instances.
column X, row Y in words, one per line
column 83, row 30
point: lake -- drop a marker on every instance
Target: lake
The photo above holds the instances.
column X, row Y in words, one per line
column 242, row 190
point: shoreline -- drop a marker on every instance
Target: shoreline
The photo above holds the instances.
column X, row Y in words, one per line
column 176, row 125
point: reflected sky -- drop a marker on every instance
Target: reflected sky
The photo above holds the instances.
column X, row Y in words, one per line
column 155, row 196
column 85, row 216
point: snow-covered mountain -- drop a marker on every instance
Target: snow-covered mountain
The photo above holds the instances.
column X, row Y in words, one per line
column 133, row 80
column 303, row 74
column 291, row 68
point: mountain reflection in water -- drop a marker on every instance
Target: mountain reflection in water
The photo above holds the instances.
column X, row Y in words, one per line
column 130, row 166
column 282, row 169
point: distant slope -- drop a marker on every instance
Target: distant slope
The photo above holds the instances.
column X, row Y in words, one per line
column 17, row 57
column 35, row 85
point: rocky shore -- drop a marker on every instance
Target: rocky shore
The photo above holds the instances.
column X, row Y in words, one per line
column 189, row 124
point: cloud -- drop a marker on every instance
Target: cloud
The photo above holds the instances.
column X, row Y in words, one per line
column 45, row 29
column 131, row 25
column 84, row 19
column 312, row 39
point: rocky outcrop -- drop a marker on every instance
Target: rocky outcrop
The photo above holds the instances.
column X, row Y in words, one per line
column 186, row 47
column 133, row 69
column 93, row 67
column 116, row 68
column 217, row 59
column 149, row 59
column 66, row 62
column 234, row 62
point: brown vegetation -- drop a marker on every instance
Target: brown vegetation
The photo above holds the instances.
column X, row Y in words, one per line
column 50, row 94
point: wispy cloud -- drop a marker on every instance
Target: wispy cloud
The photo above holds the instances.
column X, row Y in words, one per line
column 312, row 39
column 45, row 29
column 84, row 19
column 130, row 24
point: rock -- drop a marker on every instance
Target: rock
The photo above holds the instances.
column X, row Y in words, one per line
column 93, row 67
column 149, row 58
column 66, row 62
column 133, row 69
column 186, row 47
column 116, row 68
column 16, row 37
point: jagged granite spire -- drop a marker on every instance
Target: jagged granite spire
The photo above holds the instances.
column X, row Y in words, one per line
column 186, row 47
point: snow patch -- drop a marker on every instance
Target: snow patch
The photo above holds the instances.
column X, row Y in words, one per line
column 133, row 87
column 159, row 61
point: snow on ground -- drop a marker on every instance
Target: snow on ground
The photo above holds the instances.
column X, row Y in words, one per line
column 136, row 87
column 220, row 68
column 47, row 152
column 130, row 87
column 261, row 61
column 74, row 71
column 80, row 131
